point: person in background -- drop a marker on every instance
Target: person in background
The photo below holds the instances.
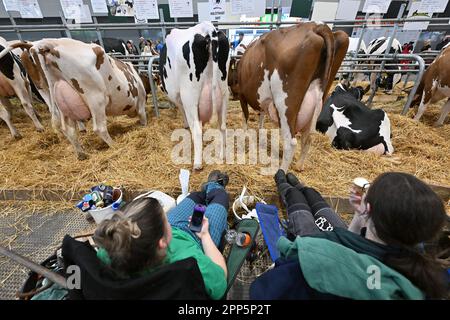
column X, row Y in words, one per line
column 132, row 48
column 149, row 50
column 379, row 256
column 407, row 48
column 142, row 44
column 427, row 47
column 235, row 43
column 443, row 43
column 143, row 237
column 159, row 46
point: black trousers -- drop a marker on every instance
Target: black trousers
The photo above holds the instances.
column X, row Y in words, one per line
column 311, row 214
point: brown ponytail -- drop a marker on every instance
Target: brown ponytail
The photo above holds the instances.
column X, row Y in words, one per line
column 405, row 213
column 131, row 237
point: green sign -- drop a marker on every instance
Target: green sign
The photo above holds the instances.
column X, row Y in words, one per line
column 301, row 8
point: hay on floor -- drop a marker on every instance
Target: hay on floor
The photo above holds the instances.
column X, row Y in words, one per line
column 141, row 157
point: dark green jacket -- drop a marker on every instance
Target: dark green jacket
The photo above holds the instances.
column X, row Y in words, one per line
column 337, row 267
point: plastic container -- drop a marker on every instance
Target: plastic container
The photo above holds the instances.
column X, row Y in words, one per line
column 241, row 239
column 107, row 213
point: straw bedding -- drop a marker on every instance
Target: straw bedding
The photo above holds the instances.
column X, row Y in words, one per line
column 141, row 157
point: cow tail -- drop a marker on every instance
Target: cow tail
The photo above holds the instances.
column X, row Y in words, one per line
column 324, row 31
column 22, row 45
column 418, row 95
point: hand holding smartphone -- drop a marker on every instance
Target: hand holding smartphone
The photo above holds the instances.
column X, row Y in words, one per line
column 197, row 218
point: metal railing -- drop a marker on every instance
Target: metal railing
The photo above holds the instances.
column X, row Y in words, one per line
column 349, row 65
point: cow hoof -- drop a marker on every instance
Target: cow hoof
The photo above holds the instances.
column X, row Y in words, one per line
column 198, row 167
column 40, row 129
column 82, row 156
column 17, row 136
column 438, row 125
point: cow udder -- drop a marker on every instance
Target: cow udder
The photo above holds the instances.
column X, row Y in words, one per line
column 6, row 90
column 70, row 102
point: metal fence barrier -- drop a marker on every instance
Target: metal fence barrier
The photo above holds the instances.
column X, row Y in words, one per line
column 349, row 65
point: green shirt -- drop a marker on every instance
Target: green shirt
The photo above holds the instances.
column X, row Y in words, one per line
column 183, row 246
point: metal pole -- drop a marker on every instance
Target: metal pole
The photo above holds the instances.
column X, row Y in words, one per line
column 64, row 22
column 387, row 51
column 152, row 83
column 271, row 14
column 360, row 40
column 163, row 27
column 13, row 23
column 52, row 276
column 99, row 33
column 279, row 14
column 413, row 91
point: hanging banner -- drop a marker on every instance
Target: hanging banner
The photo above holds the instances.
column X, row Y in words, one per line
column 71, row 8
column 217, row 9
column 247, row 7
column 99, row 6
column 376, row 6
column 84, row 14
column 347, row 9
column 30, row 9
column 11, row 5
column 414, row 14
column 432, row 6
column 146, row 9
column 181, row 8
column 121, row 8
column 324, row 11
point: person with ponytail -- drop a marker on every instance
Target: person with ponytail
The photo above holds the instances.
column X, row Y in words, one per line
column 380, row 255
column 142, row 238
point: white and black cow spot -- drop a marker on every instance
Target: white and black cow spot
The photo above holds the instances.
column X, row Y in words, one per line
column 351, row 125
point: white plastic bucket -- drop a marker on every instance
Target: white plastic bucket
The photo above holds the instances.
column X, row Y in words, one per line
column 107, row 213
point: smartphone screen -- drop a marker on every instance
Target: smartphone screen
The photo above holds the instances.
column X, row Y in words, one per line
column 197, row 218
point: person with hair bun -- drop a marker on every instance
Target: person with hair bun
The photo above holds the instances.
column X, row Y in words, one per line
column 142, row 237
column 380, row 255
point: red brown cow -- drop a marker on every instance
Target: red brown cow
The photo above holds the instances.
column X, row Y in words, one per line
column 435, row 86
column 286, row 74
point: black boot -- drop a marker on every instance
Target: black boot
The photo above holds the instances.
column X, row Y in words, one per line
column 217, row 176
column 293, row 181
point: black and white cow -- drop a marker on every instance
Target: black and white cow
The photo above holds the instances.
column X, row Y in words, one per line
column 193, row 71
column 113, row 45
column 378, row 46
column 351, row 125
column 14, row 82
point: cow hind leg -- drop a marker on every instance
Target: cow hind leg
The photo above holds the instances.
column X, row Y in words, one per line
column 444, row 112
column 142, row 110
column 25, row 99
column 423, row 105
column 5, row 115
column 68, row 128
column 99, row 123
column 244, row 107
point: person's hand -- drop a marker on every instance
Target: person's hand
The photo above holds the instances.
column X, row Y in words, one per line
column 357, row 201
column 205, row 228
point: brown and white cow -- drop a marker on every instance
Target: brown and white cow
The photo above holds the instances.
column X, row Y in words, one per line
column 83, row 82
column 14, row 82
column 286, row 74
column 435, row 86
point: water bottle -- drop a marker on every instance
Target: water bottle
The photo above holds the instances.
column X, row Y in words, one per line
column 241, row 239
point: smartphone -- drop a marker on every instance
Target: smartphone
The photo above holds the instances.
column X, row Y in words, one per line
column 197, row 218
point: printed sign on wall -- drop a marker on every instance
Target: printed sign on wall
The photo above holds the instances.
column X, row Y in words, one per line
column 217, row 9
column 99, row 6
column 181, row 9
column 30, row 9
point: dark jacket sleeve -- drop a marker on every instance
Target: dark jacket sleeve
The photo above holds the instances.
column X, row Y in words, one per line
column 285, row 282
